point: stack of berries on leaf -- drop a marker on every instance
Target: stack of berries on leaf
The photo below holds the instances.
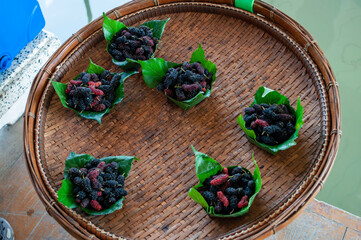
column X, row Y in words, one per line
column 229, row 191
column 133, row 43
column 186, row 81
column 92, row 92
column 98, row 185
column 272, row 124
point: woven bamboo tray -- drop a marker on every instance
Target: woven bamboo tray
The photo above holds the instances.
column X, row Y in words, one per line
column 250, row 50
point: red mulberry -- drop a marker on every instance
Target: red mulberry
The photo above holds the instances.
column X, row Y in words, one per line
column 95, row 205
column 219, row 179
column 223, row 198
column 243, row 202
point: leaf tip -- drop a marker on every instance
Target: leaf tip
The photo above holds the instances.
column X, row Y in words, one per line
column 194, row 150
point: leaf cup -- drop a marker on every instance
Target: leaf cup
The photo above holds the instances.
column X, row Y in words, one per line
column 269, row 96
column 207, row 167
column 97, row 116
column 112, row 27
column 155, row 69
column 65, row 193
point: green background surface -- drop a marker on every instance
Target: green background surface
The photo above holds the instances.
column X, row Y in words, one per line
column 336, row 26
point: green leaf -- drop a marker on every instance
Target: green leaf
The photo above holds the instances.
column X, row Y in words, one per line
column 269, row 96
column 116, row 206
column 93, row 68
column 76, row 161
column 197, row 197
column 65, row 194
column 124, row 162
column 154, row 70
column 111, row 27
column 60, row 90
column 157, row 27
column 198, row 56
column 187, row 104
column 127, row 65
column 205, row 168
column 97, row 116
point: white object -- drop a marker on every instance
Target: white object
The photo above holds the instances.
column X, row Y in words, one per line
column 15, row 82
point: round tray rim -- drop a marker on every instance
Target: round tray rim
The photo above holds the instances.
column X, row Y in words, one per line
column 63, row 215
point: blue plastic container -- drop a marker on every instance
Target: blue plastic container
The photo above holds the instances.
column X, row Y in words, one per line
column 21, row 20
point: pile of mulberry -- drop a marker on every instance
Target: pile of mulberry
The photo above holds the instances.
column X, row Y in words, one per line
column 186, row 81
column 134, row 43
column 92, row 92
column 98, row 185
column 272, row 124
column 228, row 191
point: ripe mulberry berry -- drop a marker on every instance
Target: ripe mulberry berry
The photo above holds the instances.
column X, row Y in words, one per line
column 273, row 129
column 73, row 172
column 107, row 191
column 233, row 202
column 290, row 128
column 224, row 186
column 96, row 184
column 248, row 192
column 269, row 140
column 114, row 165
column 231, row 191
column 99, row 108
column 88, row 166
column 80, row 195
column 219, row 179
column 95, row 205
column 86, row 78
column 243, row 202
column 107, row 176
column 250, row 118
column 209, row 197
column 213, row 189
column 251, row 184
column 120, row 192
column 264, row 105
column 218, row 208
column 69, row 88
column 259, row 122
column 85, row 202
column 111, row 183
column 249, row 110
column 237, row 170
column 108, row 169
column 235, row 180
column 76, row 189
column 223, row 198
column 94, row 162
column 112, row 200
column 93, row 174
column 77, row 181
column 285, row 117
column 101, row 165
column 94, row 195
column 258, row 108
column 180, row 94
column 105, row 75
column 86, row 185
column 120, row 180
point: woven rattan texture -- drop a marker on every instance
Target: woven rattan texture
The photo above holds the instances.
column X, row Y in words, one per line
column 148, row 126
